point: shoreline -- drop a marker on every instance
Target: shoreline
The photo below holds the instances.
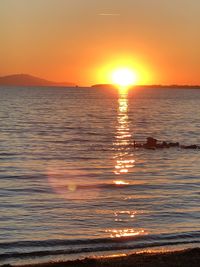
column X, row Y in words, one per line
column 183, row 258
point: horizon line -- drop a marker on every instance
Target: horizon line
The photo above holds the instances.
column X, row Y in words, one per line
column 74, row 84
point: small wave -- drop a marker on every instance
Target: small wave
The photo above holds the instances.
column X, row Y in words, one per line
column 21, row 177
column 65, row 247
column 6, row 154
column 62, row 242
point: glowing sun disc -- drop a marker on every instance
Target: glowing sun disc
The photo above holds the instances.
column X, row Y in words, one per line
column 124, row 77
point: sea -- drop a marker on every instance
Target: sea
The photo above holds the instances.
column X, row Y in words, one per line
column 73, row 185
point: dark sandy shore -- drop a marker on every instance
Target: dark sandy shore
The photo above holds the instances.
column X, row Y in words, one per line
column 184, row 258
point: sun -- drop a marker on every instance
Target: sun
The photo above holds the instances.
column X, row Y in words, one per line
column 124, row 77
column 124, row 72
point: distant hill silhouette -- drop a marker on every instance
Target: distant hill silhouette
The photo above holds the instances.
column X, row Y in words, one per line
column 107, row 86
column 29, row 80
column 173, row 86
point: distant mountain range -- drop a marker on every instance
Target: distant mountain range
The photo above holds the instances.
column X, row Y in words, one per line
column 29, row 80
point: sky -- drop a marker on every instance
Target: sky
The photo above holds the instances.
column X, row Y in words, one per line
column 81, row 41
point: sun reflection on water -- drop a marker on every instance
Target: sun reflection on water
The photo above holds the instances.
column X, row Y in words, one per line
column 120, row 182
column 124, row 164
column 125, row 232
column 124, row 157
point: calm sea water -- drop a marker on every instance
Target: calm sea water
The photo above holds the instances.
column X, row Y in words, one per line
column 72, row 183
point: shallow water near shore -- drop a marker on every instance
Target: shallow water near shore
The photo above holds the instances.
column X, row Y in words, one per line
column 71, row 182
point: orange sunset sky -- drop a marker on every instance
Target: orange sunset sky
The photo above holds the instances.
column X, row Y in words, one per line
column 82, row 40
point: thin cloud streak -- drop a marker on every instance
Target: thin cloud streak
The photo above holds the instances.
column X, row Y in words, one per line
column 109, row 14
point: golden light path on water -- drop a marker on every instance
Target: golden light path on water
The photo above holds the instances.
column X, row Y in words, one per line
column 124, row 163
column 124, row 158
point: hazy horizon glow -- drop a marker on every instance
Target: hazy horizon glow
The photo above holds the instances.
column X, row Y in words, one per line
column 82, row 41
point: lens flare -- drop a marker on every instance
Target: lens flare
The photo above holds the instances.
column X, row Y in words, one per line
column 72, row 184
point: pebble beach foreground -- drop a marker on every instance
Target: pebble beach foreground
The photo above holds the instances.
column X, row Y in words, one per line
column 183, row 258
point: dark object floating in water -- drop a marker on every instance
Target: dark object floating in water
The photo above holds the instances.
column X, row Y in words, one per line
column 152, row 143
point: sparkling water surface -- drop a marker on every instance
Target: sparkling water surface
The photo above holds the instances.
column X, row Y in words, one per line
column 71, row 180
